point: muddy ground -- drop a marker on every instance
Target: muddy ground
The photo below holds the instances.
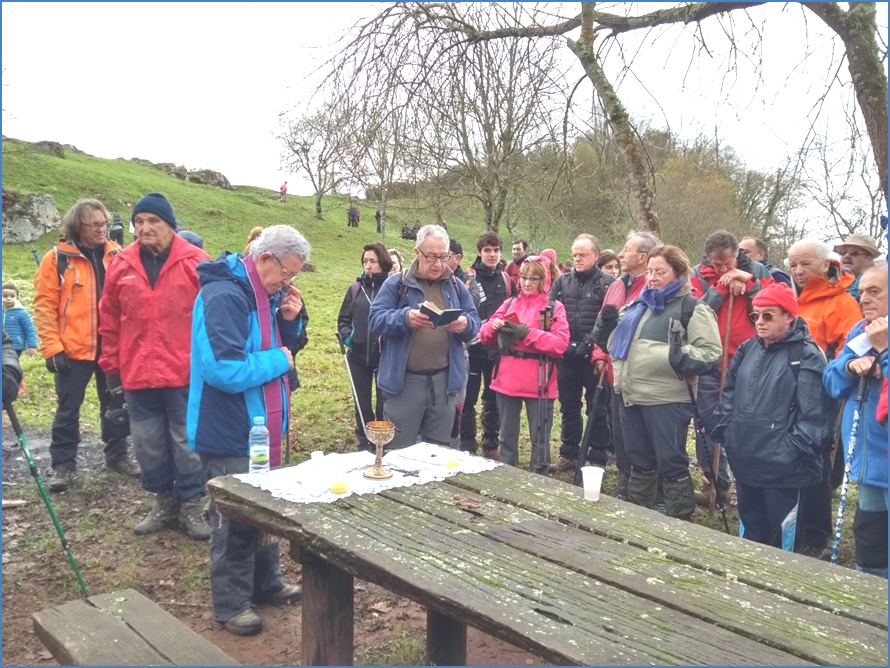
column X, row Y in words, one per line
column 97, row 516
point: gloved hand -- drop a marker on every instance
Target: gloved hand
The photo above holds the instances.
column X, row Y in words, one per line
column 517, row 331
column 58, row 363
column 606, row 323
column 116, row 412
column 579, row 350
column 10, row 389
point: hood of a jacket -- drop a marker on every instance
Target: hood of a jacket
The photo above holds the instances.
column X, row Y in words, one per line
column 227, row 267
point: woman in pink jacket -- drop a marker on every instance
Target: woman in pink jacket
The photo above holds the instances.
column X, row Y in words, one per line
column 532, row 334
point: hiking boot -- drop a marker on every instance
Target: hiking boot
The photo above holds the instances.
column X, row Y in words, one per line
column 562, row 464
column 621, row 492
column 679, row 498
column 60, row 479
column 244, row 623
column 191, row 519
column 162, row 515
column 492, row 454
column 126, row 465
column 285, row 596
column 642, row 488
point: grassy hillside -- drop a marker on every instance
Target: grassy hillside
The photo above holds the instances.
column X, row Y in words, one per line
column 223, row 218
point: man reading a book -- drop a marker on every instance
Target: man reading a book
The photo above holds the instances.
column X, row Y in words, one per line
column 422, row 366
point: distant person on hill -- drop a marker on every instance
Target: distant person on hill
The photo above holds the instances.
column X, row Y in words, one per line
column 17, row 322
column 67, row 288
column 283, row 191
column 145, row 320
column 379, row 218
column 116, row 231
column 353, row 216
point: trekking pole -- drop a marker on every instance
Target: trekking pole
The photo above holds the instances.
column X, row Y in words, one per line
column 546, row 318
column 19, row 432
column 585, row 439
column 358, row 406
column 698, row 425
column 861, row 396
column 724, row 364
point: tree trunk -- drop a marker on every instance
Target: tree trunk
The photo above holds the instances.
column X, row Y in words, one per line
column 318, row 205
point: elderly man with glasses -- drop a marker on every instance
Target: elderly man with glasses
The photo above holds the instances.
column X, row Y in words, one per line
column 67, row 288
column 423, row 371
column 246, row 320
column 858, row 253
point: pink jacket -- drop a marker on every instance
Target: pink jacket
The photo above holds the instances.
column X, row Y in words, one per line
column 518, row 377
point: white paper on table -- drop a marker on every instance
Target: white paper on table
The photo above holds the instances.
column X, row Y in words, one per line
column 310, row 481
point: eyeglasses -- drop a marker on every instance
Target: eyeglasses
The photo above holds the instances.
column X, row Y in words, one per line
column 530, row 279
column 96, row 226
column 656, row 273
column 578, row 256
column 853, row 253
column 766, row 316
column 287, row 273
column 434, row 258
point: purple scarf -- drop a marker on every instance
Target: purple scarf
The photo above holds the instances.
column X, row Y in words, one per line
column 273, row 389
column 649, row 298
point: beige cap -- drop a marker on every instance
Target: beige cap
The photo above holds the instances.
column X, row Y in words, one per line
column 862, row 241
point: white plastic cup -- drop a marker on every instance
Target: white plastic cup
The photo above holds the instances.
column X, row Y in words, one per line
column 316, row 454
column 592, row 477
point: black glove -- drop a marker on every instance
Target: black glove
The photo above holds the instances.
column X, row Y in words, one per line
column 505, row 342
column 675, row 350
column 517, row 331
column 606, row 323
column 578, row 350
column 58, row 363
column 116, row 412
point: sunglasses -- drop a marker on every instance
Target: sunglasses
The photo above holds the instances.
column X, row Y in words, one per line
column 766, row 316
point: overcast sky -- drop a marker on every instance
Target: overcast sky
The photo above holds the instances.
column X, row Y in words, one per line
column 202, row 84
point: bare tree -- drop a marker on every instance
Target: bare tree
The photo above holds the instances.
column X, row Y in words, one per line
column 855, row 28
column 314, row 144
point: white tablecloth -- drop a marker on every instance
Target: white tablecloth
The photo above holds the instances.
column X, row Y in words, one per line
column 310, row 482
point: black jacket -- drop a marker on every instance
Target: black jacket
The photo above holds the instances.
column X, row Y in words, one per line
column 364, row 347
column 582, row 293
column 775, row 428
column 497, row 287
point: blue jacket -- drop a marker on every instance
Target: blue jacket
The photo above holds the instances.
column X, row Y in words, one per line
column 871, row 436
column 228, row 369
column 389, row 318
column 18, row 324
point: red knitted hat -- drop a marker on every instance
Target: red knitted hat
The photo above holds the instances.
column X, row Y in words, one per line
column 777, row 294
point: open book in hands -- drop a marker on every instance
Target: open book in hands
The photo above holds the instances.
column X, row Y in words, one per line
column 439, row 316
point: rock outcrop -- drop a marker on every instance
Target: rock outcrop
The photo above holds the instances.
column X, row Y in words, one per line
column 28, row 217
column 205, row 176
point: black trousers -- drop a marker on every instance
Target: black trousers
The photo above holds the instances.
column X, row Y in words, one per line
column 814, row 525
column 479, row 378
column 71, row 389
column 365, row 379
column 576, row 377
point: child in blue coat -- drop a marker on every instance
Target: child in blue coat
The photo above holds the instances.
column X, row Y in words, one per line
column 17, row 322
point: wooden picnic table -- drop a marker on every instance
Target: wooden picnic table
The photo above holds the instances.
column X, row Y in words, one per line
column 524, row 558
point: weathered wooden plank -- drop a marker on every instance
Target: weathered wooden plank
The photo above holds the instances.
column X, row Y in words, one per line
column 162, row 631
column 446, row 640
column 552, row 611
column 809, row 632
column 77, row 634
column 327, row 632
column 841, row 591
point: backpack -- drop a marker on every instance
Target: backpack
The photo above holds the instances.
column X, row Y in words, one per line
column 62, row 261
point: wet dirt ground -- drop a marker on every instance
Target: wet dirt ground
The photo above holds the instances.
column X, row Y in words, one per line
column 97, row 516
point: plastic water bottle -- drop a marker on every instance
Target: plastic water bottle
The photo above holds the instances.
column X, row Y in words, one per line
column 259, row 449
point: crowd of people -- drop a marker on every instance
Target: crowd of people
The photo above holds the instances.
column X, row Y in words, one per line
column 770, row 367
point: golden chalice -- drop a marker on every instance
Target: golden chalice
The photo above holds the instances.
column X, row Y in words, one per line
column 380, row 433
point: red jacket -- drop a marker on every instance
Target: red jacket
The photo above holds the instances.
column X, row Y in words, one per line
column 618, row 295
column 705, row 286
column 146, row 332
column 518, row 377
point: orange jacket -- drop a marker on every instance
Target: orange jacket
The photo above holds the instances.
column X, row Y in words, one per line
column 147, row 331
column 66, row 309
column 828, row 309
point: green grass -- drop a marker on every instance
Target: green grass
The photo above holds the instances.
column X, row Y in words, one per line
column 409, row 649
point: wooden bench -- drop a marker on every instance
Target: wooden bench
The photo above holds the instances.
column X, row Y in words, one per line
column 122, row 628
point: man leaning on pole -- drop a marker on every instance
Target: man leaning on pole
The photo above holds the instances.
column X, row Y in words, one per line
column 866, row 358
